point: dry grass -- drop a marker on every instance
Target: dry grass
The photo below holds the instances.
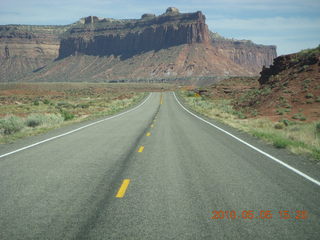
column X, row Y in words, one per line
column 298, row 137
column 29, row 109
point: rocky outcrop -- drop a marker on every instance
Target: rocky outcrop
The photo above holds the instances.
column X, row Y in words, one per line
column 297, row 63
column 170, row 46
column 30, row 41
column 91, row 20
column 172, row 10
column 247, row 54
column 24, row 49
column 290, row 87
column 127, row 38
column 148, row 15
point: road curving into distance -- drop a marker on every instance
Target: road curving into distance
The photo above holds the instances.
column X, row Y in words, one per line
column 155, row 172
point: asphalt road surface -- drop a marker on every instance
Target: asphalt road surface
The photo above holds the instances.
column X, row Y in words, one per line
column 156, row 172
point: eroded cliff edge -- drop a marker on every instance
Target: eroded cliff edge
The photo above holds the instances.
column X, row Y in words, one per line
column 104, row 37
column 173, row 45
column 25, row 48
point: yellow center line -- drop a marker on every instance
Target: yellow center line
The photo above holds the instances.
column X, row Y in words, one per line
column 148, row 134
column 123, row 188
column 161, row 100
column 141, row 149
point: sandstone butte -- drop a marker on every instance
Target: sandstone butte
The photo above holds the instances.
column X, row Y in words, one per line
column 173, row 46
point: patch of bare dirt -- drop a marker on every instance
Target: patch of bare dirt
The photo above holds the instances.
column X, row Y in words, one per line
column 289, row 89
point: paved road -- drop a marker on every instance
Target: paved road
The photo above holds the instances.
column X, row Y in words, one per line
column 154, row 173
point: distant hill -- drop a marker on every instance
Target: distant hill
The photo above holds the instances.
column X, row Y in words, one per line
column 290, row 88
column 172, row 46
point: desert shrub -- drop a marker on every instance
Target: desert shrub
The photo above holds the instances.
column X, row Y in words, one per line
column 287, row 91
column 280, row 111
column 318, row 127
column 11, row 124
column 280, row 142
column 254, row 113
column 303, row 118
column 309, row 95
column 190, row 94
column 279, row 125
column 266, row 91
column 316, row 154
column 54, row 119
column 309, row 52
column 286, row 122
column 35, row 120
column 287, row 105
column 299, row 116
column 67, row 115
column 83, row 105
column 240, row 115
column 46, row 101
column 36, row 103
column 64, row 104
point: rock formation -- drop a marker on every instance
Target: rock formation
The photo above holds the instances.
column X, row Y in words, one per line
column 244, row 52
column 130, row 37
column 290, row 87
column 173, row 45
column 297, row 62
column 24, row 49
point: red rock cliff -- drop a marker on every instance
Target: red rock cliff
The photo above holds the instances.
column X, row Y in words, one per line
column 247, row 54
column 24, row 49
column 103, row 37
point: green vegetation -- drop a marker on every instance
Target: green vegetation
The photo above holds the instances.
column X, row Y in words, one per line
column 309, row 95
column 299, row 116
column 10, row 125
column 26, row 111
column 67, row 115
column 250, row 97
column 298, row 137
column 309, row 52
column 318, row 128
column 280, row 142
column 35, row 120
column 282, row 111
column 305, row 54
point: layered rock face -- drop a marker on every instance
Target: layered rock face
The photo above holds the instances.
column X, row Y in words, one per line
column 26, row 48
column 170, row 46
column 252, row 56
column 107, row 37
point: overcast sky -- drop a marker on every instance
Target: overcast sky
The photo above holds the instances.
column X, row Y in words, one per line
column 292, row 25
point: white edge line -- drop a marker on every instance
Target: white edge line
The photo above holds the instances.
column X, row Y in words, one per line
column 75, row 130
column 253, row 147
